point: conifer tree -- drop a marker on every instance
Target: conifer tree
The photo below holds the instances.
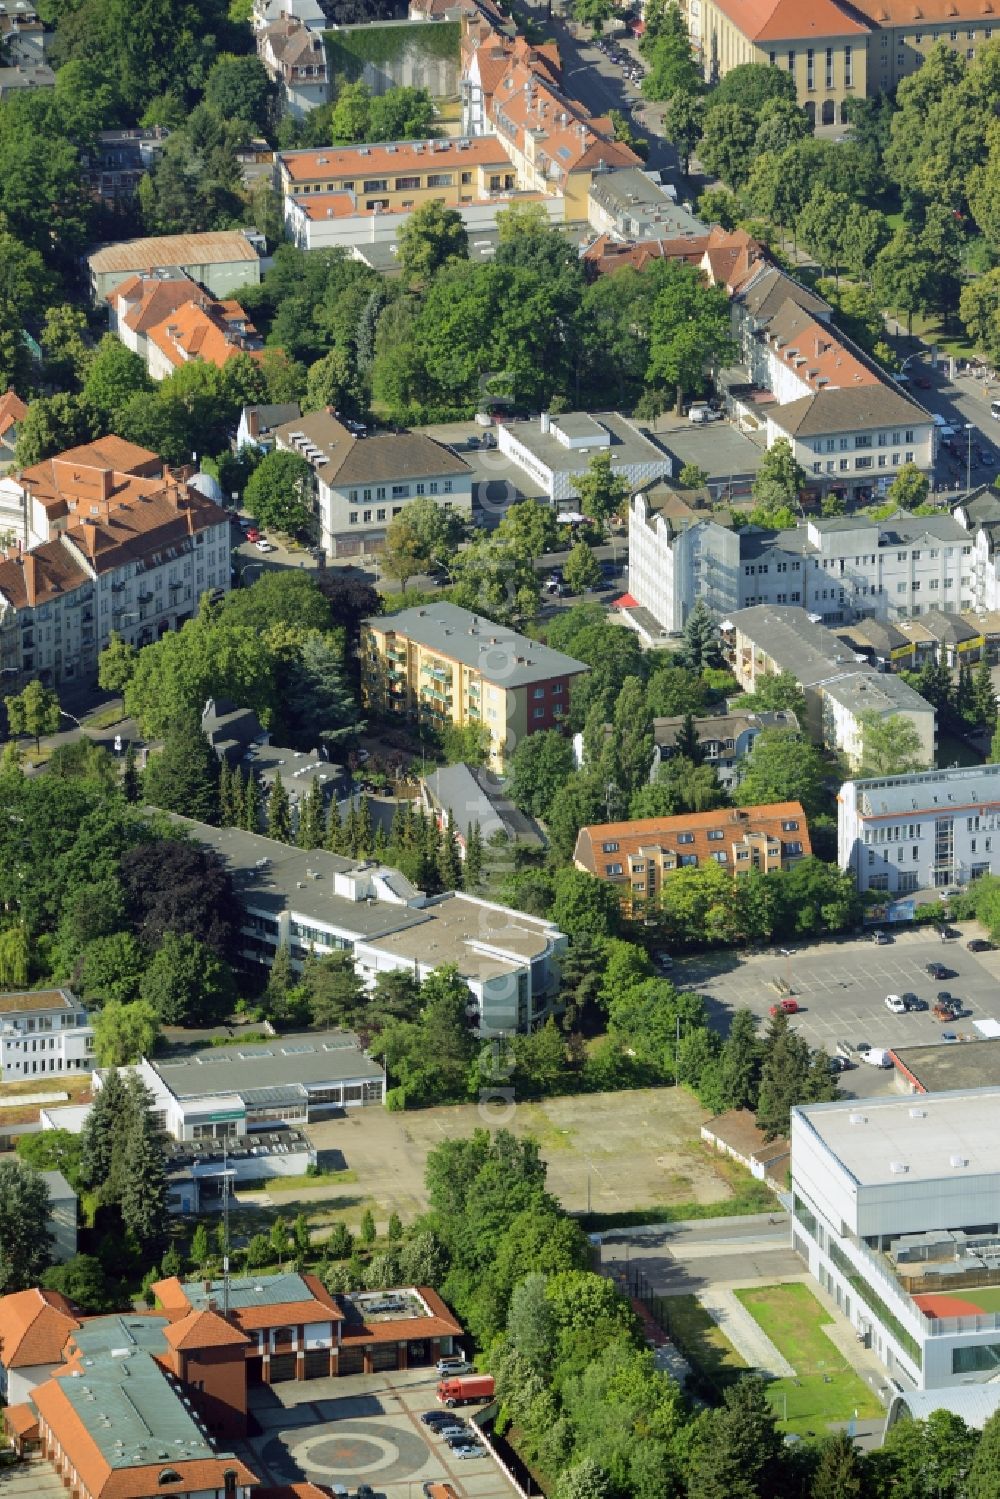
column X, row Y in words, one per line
column 984, row 697
column 449, row 859
column 349, row 840
column 365, row 829
column 473, row 855
column 380, row 848
column 251, row 804
column 279, row 812
column 334, row 840
column 310, row 831
column 965, row 696
column 130, row 776
column 98, row 1134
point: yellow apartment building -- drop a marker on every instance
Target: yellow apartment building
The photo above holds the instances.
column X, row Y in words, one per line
column 439, row 665
column 401, row 176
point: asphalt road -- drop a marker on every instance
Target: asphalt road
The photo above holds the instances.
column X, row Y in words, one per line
column 960, row 401
column 681, row 1258
column 841, row 987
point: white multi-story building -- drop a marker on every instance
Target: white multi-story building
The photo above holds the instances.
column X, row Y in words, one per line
column 934, row 829
column 132, row 555
column 555, row 450
column 42, row 1033
column 837, row 569
column 854, row 439
column 979, row 514
column 840, row 688
column 896, row 1205
column 362, row 481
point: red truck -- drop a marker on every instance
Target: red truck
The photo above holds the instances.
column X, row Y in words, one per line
column 465, row 1388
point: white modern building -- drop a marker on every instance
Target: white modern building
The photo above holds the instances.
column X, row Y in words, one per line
column 979, row 514
column 896, row 1205
column 362, row 480
column 932, row 830
column 555, row 450
column 321, row 903
column 840, row 687
column 838, row 569
column 43, row 1033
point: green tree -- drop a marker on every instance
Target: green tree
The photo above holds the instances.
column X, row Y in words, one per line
column 52, row 424
column 582, row 570
column 116, row 663
column 449, row 857
column 777, row 693
column 784, row 767
column 529, row 528
column 114, row 376
column 740, row 1063
column 889, row 746
column 584, row 906
column 142, row 1170
column 100, row 1131
column 473, row 856
column 692, row 476
column 368, row 1233
column 789, row 1076
column 689, row 330
column 780, row 478
column 238, row 88
column 821, row 226
column 279, row 812
column 672, row 68
column 901, row 275
column 278, row 493
column 984, row 697
column 33, row 712
column 727, row 144
column 332, row 381
column 701, row 646
column 111, row 967
column 984, row 1470
column 737, row 1449
column 839, row 1472
column 541, row 764
column 334, row 992
column 683, row 121
column 186, row 983
column 124, row 1032
column 184, row 776
column 909, row 489
column 603, row 493
column 430, row 237
column 25, row 1240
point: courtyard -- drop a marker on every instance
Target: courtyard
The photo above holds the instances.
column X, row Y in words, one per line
column 362, row 1428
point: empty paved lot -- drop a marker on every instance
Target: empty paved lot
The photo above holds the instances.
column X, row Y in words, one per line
column 842, row 986
column 364, row 1428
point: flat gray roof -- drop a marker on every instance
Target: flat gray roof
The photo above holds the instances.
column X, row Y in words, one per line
column 888, row 1141
column 717, row 447
column 867, row 691
column 626, row 443
column 474, row 935
column 940, row 1069
column 794, row 642
column 306, row 1060
column 497, row 652
column 133, row 1415
column 929, row 790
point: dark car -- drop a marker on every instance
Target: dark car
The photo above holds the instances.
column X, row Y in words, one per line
column 837, row 1064
column 913, row 1002
column 437, row 1418
column 946, row 933
column 922, row 382
column 881, row 939
column 862, row 1046
column 980, row 944
column 938, row 971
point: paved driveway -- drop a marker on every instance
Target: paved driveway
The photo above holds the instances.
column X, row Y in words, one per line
column 842, row 986
column 363, row 1428
column 36, row 1479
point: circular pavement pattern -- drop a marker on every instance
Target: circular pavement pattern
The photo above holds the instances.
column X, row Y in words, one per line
column 341, row 1451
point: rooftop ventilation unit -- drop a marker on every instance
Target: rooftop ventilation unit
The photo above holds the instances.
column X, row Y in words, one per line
column 858, row 1118
column 898, row 1168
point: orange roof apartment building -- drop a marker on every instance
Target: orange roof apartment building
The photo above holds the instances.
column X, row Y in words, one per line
column 124, row 551
column 639, row 856
column 169, row 320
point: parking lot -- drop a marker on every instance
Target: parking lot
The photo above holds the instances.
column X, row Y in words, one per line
column 841, row 987
column 362, row 1429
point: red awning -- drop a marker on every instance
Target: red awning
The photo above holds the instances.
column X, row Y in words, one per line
column 625, row 602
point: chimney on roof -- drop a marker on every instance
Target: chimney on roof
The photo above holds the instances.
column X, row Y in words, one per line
column 89, row 538
column 253, row 421
column 30, row 578
column 107, row 483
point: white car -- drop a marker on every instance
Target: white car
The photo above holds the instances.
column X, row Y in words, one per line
column 454, row 1364
column 700, row 412
column 263, row 546
column 894, row 1003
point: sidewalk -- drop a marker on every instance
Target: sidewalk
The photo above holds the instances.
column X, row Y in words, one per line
column 746, row 1335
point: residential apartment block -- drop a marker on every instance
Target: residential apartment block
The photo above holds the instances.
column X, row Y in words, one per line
column 320, row 902
column 44, row 1031
column 444, row 665
column 896, row 1212
column 979, row 514
column 294, row 55
column 44, row 500
column 131, row 554
column 556, row 450
column 638, row 856
column 840, row 688
column 168, row 320
column 362, row 480
column 932, row 830
column 838, row 569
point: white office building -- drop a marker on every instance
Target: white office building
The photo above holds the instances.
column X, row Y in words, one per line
column 896, row 1206
column 935, row 829
column 556, row 450
column 838, row 569
column 44, row 1033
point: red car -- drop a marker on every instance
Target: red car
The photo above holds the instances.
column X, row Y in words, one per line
column 923, row 382
column 253, row 534
column 785, row 1007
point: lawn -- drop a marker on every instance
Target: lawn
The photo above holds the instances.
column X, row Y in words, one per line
column 825, row 1388
column 699, row 1338
column 988, row 1297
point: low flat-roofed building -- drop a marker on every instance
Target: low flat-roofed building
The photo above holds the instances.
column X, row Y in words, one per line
column 896, row 1210
column 555, row 450
column 221, row 260
column 944, row 1069
column 320, row 902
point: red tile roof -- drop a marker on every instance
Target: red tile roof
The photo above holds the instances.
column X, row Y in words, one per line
column 214, row 332
column 144, row 301
column 205, row 1329
column 36, row 577
column 338, row 162
column 21, row 1420
column 12, row 411
column 173, row 1299
column 607, row 255
column 788, row 20
column 736, row 824
column 34, row 1326
column 167, row 515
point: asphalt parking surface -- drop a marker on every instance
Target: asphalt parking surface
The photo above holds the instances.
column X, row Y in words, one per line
column 363, row 1428
column 841, row 987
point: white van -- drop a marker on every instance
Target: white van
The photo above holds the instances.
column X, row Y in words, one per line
column 995, row 410
column 877, row 1057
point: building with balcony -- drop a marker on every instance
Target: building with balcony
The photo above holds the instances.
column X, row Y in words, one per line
column 440, row 664
column 319, row 902
column 363, row 480
column 840, row 688
column 130, row 554
column 638, row 856
column 936, row 829
column 896, row 1212
column 44, row 1032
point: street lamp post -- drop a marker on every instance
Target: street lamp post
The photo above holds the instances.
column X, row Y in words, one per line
column 969, row 427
